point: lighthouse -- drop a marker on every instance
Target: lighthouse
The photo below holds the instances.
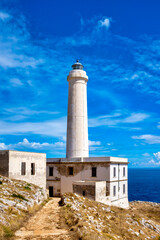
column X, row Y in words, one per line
column 77, row 120
column 103, row 179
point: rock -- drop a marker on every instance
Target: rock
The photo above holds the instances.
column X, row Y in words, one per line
column 137, row 233
column 141, row 232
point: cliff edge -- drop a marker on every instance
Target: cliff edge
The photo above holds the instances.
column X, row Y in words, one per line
column 93, row 220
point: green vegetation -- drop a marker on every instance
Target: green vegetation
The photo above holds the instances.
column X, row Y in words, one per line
column 8, row 232
column 28, row 187
column 17, row 195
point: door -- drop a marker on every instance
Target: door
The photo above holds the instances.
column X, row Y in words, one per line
column 51, row 191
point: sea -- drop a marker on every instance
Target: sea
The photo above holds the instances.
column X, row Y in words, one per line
column 144, row 184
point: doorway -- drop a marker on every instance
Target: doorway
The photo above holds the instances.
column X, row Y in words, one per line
column 51, row 191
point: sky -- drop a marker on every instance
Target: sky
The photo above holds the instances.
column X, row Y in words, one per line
column 118, row 42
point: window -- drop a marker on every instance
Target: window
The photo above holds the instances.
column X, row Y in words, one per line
column 114, row 191
column 94, row 172
column 50, row 171
column 70, row 170
column 124, row 171
column 32, row 168
column 114, row 172
column 124, row 188
column 23, row 168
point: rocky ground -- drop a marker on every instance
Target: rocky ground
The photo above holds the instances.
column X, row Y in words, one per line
column 23, row 206
column 18, row 199
column 92, row 220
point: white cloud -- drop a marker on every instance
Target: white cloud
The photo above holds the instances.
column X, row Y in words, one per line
column 16, row 82
column 155, row 161
column 25, row 144
column 146, row 154
column 148, row 138
column 157, row 155
column 37, row 145
column 3, row 146
column 13, row 60
column 136, row 117
column 4, row 16
column 56, row 128
column 116, row 119
column 20, row 113
column 106, row 22
column 94, row 143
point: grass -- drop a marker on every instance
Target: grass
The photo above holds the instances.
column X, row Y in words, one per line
column 14, row 216
column 8, row 233
column 17, row 195
column 28, row 187
column 89, row 219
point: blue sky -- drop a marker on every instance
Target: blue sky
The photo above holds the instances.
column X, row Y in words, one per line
column 118, row 43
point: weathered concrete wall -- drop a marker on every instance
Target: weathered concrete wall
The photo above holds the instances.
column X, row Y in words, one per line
column 4, row 163
column 56, row 187
column 93, row 190
column 82, row 171
column 55, row 180
column 15, row 160
column 101, row 194
column 87, row 189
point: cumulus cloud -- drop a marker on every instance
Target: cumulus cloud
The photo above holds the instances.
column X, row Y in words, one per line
column 156, row 159
column 106, row 22
column 3, row 146
column 26, row 144
column 37, row 145
column 148, row 138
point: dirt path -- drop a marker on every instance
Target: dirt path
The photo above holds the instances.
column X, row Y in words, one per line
column 44, row 225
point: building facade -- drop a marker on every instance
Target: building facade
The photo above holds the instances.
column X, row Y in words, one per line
column 26, row 166
column 104, row 179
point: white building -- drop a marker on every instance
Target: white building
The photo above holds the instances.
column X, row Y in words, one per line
column 104, row 179
column 26, row 166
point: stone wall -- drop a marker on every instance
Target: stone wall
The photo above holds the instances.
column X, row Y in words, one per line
column 85, row 190
column 39, row 159
column 4, row 163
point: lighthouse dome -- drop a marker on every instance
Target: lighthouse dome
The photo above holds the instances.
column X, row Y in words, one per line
column 77, row 65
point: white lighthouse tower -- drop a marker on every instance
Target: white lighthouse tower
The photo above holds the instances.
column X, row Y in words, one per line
column 77, row 122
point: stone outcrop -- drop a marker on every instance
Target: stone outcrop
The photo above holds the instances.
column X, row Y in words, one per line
column 92, row 220
column 17, row 198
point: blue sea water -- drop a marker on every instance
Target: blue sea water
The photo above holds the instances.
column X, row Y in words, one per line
column 144, row 184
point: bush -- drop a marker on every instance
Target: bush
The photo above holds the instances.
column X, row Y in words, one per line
column 17, row 195
column 8, row 232
column 27, row 187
